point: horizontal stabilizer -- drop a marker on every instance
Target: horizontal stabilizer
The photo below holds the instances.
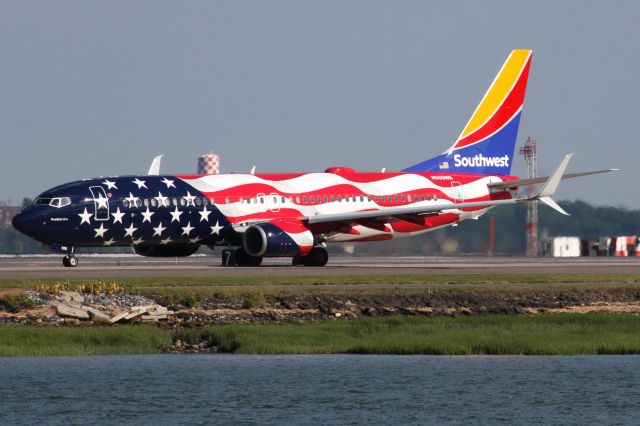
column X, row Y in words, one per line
column 537, row 180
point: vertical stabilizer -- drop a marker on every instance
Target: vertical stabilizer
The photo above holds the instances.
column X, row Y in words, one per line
column 487, row 142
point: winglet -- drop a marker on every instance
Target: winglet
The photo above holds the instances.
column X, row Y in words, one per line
column 550, row 187
column 154, row 170
column 548, row 201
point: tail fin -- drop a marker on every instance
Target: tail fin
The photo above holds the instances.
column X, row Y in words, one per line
column 487, row 142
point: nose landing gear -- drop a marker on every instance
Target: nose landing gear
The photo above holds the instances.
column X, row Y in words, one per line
column 70, row 261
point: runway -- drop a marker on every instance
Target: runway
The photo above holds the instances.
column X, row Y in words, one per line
column 122, row 266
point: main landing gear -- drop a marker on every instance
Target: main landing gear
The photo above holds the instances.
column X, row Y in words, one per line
column 239, row 257
column 70, row 261
column 318, row 256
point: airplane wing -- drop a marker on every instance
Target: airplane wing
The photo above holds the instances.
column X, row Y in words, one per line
column 543, row 195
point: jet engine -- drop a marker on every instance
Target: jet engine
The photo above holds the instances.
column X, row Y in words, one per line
column 270, row 240
column 175, row 250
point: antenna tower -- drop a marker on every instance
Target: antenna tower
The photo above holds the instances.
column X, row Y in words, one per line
column 531, row 226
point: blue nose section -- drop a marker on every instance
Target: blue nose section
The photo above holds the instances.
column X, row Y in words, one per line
column 26, row 222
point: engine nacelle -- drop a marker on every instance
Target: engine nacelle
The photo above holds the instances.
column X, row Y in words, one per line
column 176, row 250
column 269, row 240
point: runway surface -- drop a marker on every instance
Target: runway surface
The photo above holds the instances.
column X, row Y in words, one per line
column 106, row 266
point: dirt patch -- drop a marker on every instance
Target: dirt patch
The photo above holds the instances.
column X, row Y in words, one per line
column 11, row 292
column 231, row 310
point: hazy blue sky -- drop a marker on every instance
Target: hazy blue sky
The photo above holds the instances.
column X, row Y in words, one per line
column 98, row 88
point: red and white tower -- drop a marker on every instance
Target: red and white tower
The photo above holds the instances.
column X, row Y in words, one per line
column 531, row 226
column 209, row 164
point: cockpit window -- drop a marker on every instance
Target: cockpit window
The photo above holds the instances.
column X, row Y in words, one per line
column 57, row 202
column 42, row 201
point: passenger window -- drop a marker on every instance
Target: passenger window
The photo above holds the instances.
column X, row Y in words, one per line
column 368, row 197
column 211, row 201
column 422, row 198
column 125, row 204
column 183, row 202
column 297, row 200
column 198, row 201
column 283, row 199
column 275, row 200
column 333, row 198
column 146, row 202
column 304, row 200
column 153, row 202
column 205, row 201
column 435, row 198
column 326, row 199
column 402, row 198
column 226, row 200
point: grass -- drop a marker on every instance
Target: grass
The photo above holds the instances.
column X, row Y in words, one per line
column 57, row 341
column 553, row 334
column 202, row 288
column 550, row 334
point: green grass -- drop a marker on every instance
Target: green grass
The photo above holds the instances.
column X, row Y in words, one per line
column 47, row 341
column 550, row 334
column 175, row 288
column 553, row 334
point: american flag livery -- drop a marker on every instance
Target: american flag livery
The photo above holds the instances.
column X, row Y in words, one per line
column 296, row 214
column 294, row 200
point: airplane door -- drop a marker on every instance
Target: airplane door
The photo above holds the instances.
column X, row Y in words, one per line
column 272, row 204
column 457, row 191
column 261, row 199
column 101, row 203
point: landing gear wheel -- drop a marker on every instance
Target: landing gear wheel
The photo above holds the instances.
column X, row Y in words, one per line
column 243, row 259
column 318, row 256
column 70, row 261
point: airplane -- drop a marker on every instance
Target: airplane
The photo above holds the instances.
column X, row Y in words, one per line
column 296, row 215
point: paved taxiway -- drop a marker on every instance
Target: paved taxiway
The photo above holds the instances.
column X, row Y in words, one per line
column 103, row 266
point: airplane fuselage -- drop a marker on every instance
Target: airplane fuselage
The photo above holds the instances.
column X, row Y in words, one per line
column 193, row 210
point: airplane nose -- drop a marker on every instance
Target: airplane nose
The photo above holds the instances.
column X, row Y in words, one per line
column 24, row 222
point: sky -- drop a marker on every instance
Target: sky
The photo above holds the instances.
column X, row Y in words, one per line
column 91, row 88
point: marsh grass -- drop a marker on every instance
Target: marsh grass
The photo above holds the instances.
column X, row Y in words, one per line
column 202, row 288
column 57, row 341
column 552, row 334
column 549, row 334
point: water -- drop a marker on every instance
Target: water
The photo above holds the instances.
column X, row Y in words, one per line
column 325, row 389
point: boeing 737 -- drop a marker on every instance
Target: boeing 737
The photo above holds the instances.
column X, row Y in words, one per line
column 296, row 215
